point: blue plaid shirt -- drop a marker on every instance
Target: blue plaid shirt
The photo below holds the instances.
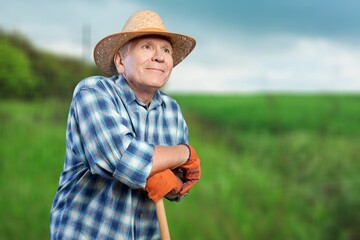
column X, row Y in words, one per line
column 110, row 142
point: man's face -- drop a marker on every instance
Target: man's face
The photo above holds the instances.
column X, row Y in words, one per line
column 147, row 64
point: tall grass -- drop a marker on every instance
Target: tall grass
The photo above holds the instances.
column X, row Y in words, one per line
column 31, row 157
column 274, row 167
column 279, row 167
column 319, row 114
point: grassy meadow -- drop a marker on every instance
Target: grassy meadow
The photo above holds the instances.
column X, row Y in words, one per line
column 274, row 167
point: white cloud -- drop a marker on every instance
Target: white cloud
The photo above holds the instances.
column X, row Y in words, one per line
column 278, row 63
column 58, row 26
column 64, row 47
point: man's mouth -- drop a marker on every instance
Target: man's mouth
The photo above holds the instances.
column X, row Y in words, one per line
column 156, row 69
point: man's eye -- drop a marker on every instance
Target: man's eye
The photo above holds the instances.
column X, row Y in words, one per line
column 146, row 46
column 167, row 50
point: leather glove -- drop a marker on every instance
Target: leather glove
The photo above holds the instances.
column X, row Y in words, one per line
column 191, row 171
column 160, row 184
column 174, row 196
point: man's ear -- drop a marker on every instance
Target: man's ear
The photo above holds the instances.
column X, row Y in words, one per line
column 118, row 63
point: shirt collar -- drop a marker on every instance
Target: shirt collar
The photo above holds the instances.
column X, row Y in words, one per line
column 129, row 96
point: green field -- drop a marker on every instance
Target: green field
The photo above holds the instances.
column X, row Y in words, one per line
column 274, row 167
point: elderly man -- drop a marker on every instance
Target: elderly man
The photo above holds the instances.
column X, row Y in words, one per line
column 126, row 140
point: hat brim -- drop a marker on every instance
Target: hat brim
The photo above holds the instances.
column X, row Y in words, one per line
column 106, row 48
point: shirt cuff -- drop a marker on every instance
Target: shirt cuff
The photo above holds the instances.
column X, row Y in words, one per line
column 134, row 167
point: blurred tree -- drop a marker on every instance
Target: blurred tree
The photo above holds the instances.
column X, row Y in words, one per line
column 16, row 76
column 28, row 72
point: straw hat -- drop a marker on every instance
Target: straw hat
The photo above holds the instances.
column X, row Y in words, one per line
column 140, row 24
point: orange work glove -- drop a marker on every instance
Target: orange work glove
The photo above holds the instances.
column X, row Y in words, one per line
column 191, row 170
column 160, row 184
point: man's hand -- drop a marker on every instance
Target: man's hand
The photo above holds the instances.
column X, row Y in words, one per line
column 191, row 170
column 160, row 184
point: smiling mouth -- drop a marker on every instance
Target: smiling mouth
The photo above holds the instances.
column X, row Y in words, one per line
column 156, row 69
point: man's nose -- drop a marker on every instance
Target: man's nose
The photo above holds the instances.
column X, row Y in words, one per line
column 158, row 55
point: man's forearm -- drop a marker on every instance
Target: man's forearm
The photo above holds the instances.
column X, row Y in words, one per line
column 169, row 157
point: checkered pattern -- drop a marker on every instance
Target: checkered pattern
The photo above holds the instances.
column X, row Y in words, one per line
column 110, row 141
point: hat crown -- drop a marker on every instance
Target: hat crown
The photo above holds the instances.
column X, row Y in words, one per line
column 144, row 20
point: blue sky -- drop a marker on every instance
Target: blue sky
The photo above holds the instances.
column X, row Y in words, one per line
column 242, row 46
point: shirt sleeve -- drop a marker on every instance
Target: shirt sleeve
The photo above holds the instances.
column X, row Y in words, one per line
column 109, row 143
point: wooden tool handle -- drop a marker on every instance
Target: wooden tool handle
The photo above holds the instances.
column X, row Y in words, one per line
column 161, row 215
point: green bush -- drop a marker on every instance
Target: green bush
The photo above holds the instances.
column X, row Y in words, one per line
column 27, row 72
column 16, row 75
